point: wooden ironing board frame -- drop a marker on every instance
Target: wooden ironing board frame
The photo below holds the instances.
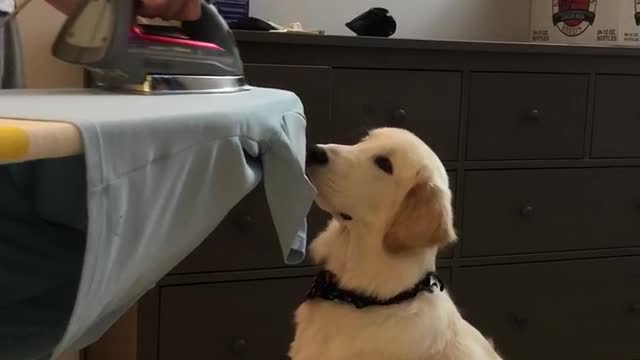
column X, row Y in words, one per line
column 26, row 140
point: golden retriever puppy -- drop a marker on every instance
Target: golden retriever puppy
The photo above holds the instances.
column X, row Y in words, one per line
column 379, row 297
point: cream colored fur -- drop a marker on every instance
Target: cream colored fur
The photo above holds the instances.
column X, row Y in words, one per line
column 399, row 221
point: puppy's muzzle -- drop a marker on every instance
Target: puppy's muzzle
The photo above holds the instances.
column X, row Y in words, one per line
column 316, row 156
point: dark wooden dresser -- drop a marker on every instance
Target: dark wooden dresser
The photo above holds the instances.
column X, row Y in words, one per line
column 542, row 144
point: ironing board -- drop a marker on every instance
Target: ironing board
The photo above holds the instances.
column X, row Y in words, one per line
column 109, row 192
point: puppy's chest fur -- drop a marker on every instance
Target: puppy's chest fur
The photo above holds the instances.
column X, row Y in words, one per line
column 407, row 331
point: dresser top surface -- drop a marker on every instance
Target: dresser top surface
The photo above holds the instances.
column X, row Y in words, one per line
column 433, row 45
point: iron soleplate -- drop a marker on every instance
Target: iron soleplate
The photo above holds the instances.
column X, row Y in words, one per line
column 178, row 84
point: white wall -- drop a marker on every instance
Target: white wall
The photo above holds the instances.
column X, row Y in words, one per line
column 39, row 24
column 504, row 20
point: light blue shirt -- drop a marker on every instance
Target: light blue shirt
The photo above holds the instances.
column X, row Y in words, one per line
column 161, row 173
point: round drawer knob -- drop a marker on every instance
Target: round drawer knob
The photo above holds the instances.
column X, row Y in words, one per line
column 527, row 211
column 239, row 345
column 633, row 309
column 400, row 116
column 533, row 115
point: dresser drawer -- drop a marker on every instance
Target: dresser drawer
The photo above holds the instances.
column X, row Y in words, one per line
column 245, row 239
column 312, row 84
column 616, row 126
column 236, row 320
column 527, row 116
column 586, row 309
column 425, row 102
column 525, row 211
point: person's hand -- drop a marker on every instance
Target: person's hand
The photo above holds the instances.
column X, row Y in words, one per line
column 164, row 9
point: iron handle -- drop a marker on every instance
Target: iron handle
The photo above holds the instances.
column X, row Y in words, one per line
column 533, row 115
column 633, row 309
column 527, row 210
column 400, row 116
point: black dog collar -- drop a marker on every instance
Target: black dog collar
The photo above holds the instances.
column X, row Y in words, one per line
column 326, row 287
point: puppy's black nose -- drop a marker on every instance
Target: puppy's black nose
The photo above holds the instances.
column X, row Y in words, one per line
column 316, row 156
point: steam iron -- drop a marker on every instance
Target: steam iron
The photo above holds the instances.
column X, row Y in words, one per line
column 199, row 57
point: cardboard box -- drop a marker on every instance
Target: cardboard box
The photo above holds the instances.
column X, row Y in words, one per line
column 595, row 22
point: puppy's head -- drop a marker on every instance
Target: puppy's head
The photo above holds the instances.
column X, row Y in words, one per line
column 390, row 180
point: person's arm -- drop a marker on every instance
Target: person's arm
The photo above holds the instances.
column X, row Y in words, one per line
column 165, row 9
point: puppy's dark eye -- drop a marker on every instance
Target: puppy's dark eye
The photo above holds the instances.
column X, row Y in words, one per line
column 384, row 164
column 345, row 216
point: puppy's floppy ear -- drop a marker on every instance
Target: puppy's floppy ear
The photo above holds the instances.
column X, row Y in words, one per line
column 425, row 219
